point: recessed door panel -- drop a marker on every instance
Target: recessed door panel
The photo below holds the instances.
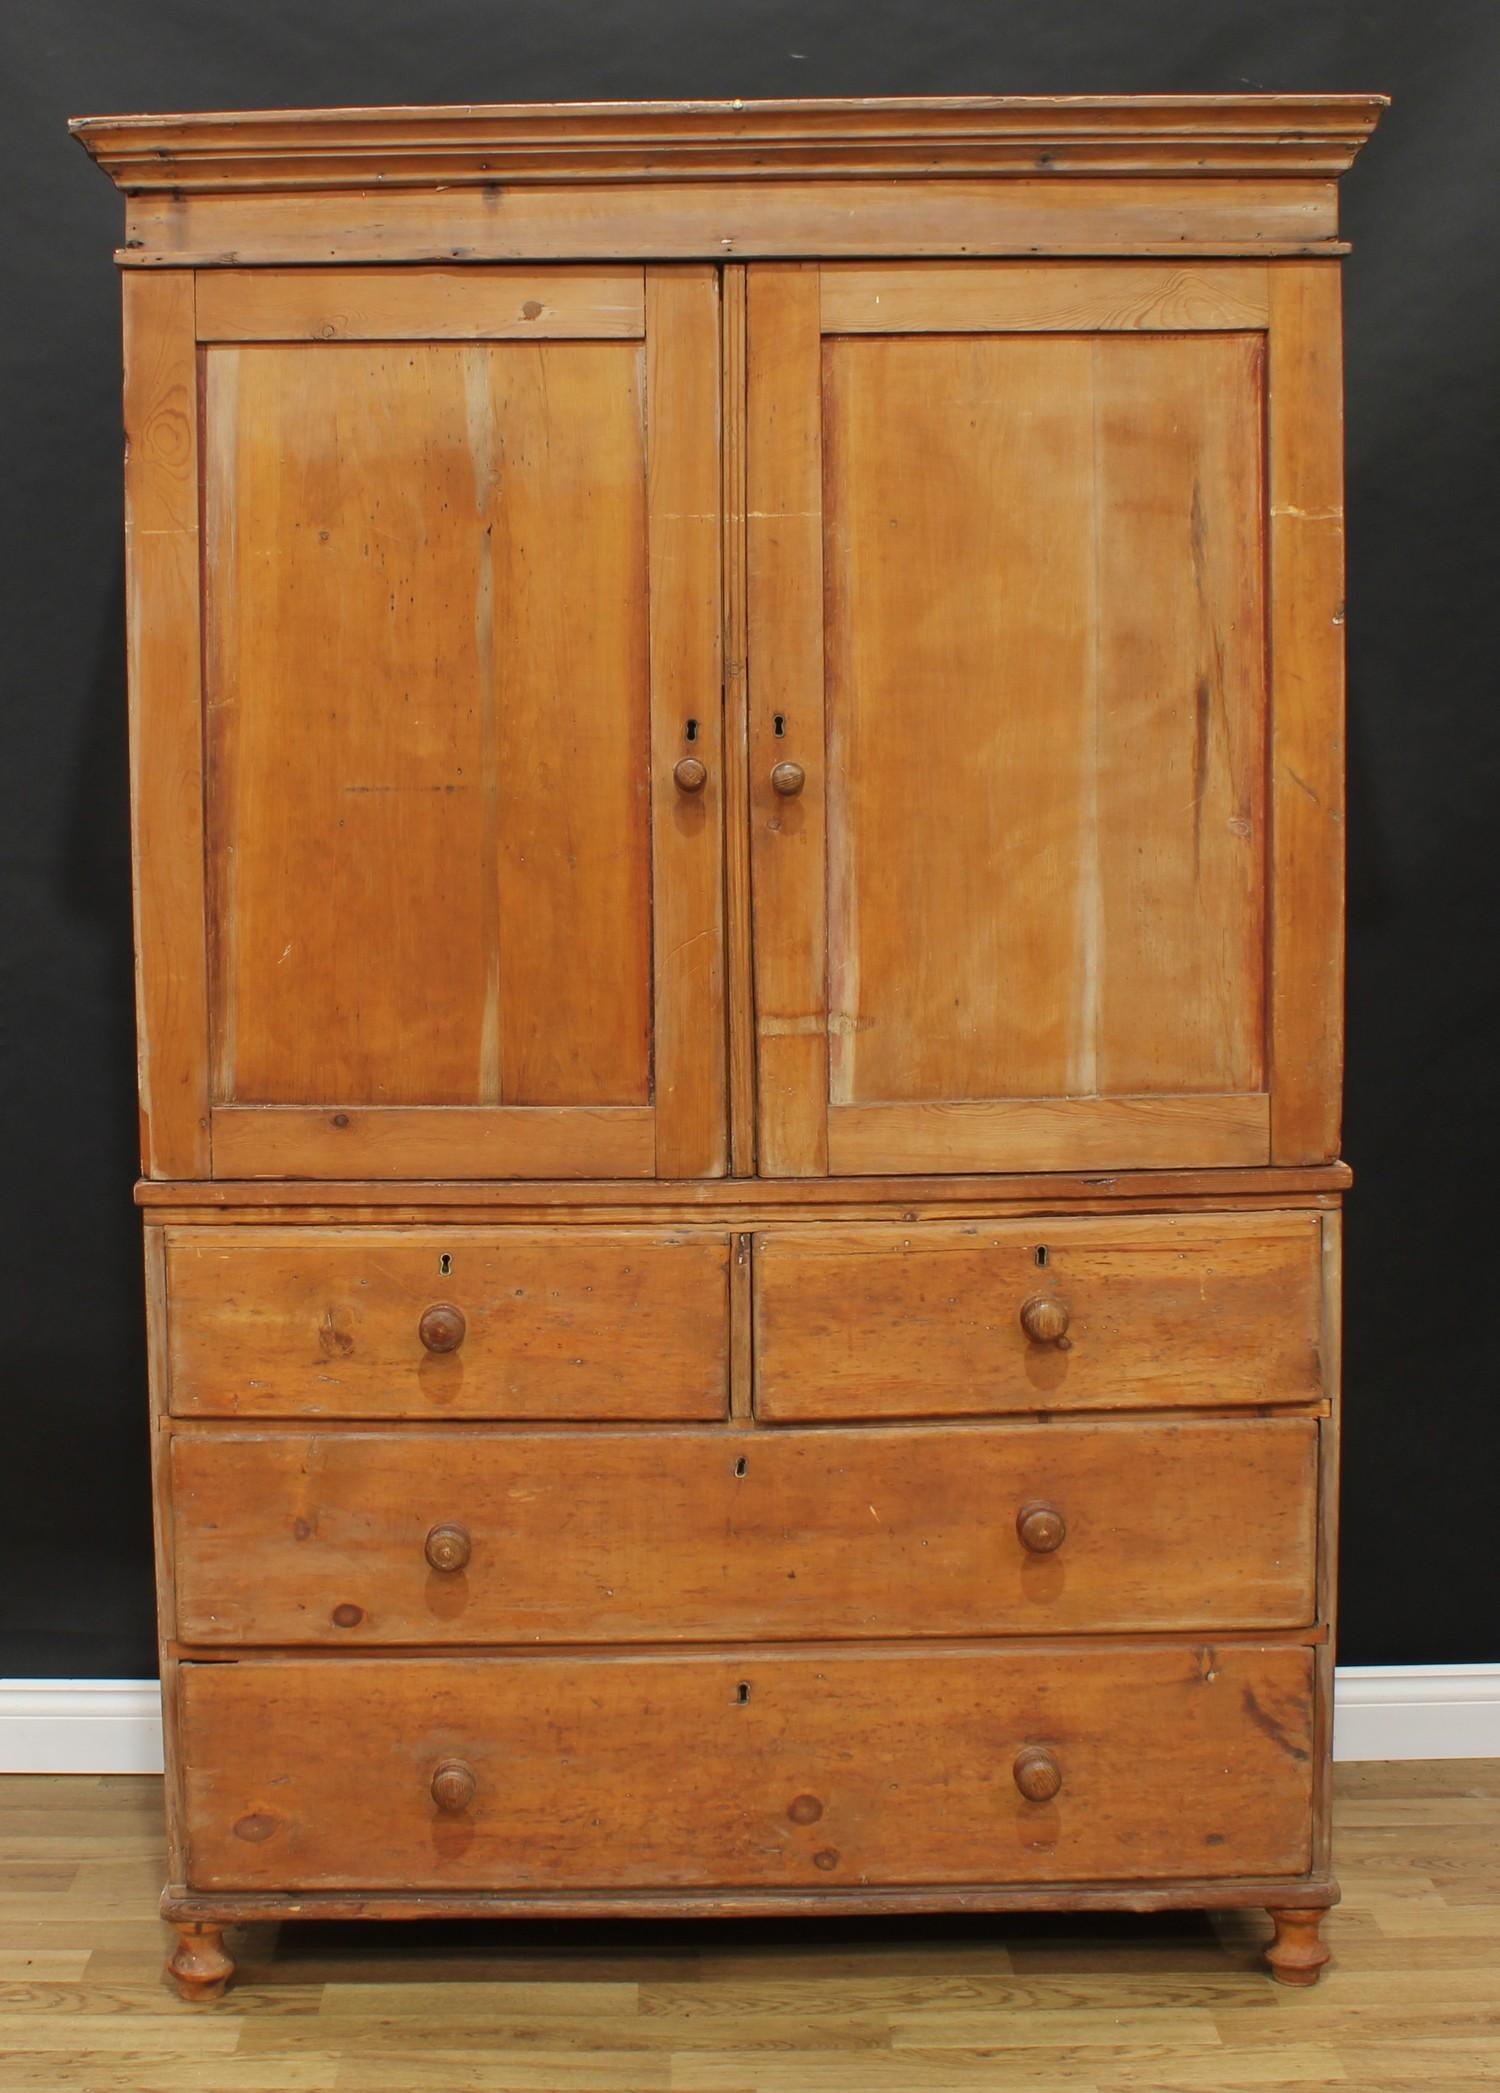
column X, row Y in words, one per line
column 429, row 806
column 1045, row 715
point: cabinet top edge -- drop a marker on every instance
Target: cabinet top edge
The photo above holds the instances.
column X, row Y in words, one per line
column 603, row 141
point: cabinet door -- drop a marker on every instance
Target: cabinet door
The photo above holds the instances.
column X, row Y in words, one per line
column 1044, row 598
column 461, row 722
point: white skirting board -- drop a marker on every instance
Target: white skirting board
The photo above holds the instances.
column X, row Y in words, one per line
column 1419, row 1711
column 80, row 1726
column 1416, row 1711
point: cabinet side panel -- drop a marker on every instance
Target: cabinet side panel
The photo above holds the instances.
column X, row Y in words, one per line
column 164, row 1537
column 166, row 728
column 1307, row 711
column 1331, row 1229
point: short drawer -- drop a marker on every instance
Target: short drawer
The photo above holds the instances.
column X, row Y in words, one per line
column 1143, row 1311
column 434, row 1323
column 346, row 1538
column 812, row 1770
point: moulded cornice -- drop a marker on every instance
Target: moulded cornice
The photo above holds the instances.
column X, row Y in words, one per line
column 682, row 142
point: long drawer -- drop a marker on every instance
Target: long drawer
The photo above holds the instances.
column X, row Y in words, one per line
column 435, row 1323
column 807, row 1769
column 1138, row 1311
column 436, row 1537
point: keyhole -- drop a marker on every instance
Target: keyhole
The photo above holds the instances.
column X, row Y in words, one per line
column 743, row 1693
column 780, row 723
column 692, row 730
column 741, row 1465
column 1041, row 1253
column 445, row 1264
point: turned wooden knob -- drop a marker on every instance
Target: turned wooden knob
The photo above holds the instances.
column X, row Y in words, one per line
column 690, row 774
column 453, row 1786
column 1045, row 1321
column 442, row 1327
column 1042, row 1528
column 1038, row 1775
column 788, row 779
column 449, row 1548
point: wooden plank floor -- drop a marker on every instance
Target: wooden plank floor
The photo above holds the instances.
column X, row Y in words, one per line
column 1093, row 2005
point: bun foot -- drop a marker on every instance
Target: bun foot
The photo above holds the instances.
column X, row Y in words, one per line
column 199, row 1966
column 1297, row 1955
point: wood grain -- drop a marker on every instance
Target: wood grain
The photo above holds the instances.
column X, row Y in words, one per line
column 1063, row 298
column 741, row 219
column 315, row 1322
column 741, row 1340
column 433, row 304
column 1050, row 1133
column 1180, row 724
column 609, row 1537
column 785, row 618
column 1310, row 1892
column 166, row 727
column 733, row 411
column 600, row 142
column 871, row 1322
column 687, row 829
column 1061, row 893
column 1331, row 1353
column 453, row 744
column 163, row 1530
column 568, row 630
column 406, row 1142
column 1049, row 1190
column 357, row 458
column 956, row 763
column 331, row 999
column 790, row 1768
column 1307, row 749
column 746, row 1210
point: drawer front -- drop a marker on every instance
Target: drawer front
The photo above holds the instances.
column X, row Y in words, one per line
column 1152, row 1311
column 608, row 1536
column 435, row 1323
column 807, row 1770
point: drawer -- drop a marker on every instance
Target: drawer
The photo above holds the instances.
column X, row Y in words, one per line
column 811, row 1770
column 434, row 1537
column 1152, row 1311
column 430, row 1322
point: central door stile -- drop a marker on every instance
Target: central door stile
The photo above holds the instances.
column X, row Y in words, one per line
column 740, row 1014
column 687, row 736
column 784, row 539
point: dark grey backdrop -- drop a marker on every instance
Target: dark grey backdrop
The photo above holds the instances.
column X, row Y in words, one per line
column 1422, row 311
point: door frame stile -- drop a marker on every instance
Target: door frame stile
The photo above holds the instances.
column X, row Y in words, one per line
column 784, row 540
column 683, row 532
column 1305, row 624
column 740, row 1000
column 164, row 653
